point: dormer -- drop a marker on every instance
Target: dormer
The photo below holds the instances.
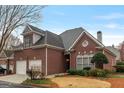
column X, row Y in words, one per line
column 31, row 35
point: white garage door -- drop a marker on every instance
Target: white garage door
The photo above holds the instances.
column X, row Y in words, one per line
column 35, row 64
column 20, row 67
column 4, row 66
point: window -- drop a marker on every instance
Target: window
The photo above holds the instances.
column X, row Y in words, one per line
column 91, row 64
column 85, row 62
column 82, row 62
column 27, row 41
column 79, row 64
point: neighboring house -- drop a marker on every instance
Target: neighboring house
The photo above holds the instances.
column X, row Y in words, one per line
column 115, row 51
column 121, row 48
column 7, row 60
column 52, row 53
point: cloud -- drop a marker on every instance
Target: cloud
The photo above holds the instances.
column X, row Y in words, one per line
column 112, row 39
column 111, row 25
column 109, row 39
column 114, row 26
column 110, row 16
column 113, row 36
column 59, row 13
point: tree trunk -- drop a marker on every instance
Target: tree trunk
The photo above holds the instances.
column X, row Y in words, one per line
column 99, row 65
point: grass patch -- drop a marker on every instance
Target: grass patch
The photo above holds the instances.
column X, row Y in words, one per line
column 116, row 76
column 44, row 81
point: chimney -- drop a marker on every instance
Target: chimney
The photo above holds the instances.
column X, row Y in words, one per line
column 99, row 36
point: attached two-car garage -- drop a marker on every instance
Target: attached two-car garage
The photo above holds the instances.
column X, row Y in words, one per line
column 21, row 66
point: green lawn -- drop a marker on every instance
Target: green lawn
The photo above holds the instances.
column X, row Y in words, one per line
column 118, row 75
column 44, row 81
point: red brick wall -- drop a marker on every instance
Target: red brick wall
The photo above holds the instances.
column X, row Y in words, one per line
column 2, row 62
column 91, row 47
column 30, row 54
column 11, row 61
column 111, row 60
column 79, row 48
column 122, row 52
column 55, row 61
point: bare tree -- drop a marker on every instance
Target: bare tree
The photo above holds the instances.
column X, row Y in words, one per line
column 12, row 41
column 14, row 16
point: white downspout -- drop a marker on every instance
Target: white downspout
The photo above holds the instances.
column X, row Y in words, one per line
column 46, row 61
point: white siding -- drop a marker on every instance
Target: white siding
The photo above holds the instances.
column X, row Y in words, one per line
column 36, row 37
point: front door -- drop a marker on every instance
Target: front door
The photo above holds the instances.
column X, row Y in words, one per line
column 67, row 62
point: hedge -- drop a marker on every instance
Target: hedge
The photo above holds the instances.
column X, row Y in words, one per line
column 94, row 72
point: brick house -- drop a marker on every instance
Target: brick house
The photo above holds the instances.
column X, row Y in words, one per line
column 52, row 53
column 121, row 49
column 7, row 60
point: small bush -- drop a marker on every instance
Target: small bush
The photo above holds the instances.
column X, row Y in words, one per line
column 80, row 72
column 86, row 73
column 86, row 68
column 72, row 72
column 34, row 74
column 119, row 68
column 94, row 72
column 120, row 63
column 107, row 71
column 98, row 73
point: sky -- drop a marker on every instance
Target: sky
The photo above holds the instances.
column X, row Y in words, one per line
column 108, row 19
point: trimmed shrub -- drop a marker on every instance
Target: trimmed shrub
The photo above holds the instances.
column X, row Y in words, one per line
column 86, row 68
column 80, row 72
column 119, row 68
column 120, row 63
column 94, row 72
column 107, row 71
column 99, row 58
column 86, row 73
column 98, row 73
column 72, row 72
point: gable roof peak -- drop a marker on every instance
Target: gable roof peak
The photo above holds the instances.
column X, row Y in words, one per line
column 30, row 28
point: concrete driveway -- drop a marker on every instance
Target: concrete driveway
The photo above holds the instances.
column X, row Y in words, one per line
column 17, row 79
column 4, row 84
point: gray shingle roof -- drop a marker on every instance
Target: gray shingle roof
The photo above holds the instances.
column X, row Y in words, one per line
column 51, row 39
column 115, row 51
column 54, row 39
column 69, row 36
column 35, row 29
column 48, row 38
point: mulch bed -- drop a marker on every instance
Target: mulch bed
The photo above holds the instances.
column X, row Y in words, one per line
column 116, row 82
